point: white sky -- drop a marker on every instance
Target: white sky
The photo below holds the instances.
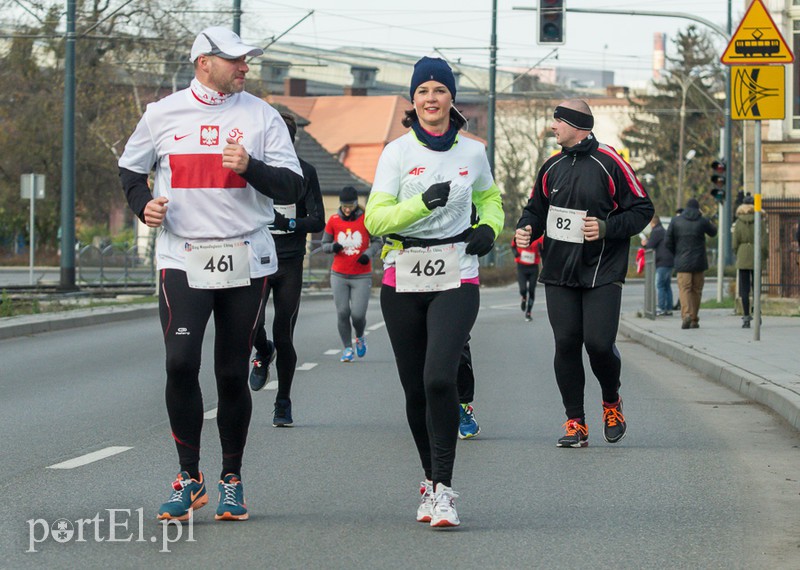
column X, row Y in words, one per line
column 462, row 28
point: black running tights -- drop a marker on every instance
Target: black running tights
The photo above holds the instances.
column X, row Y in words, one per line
column 286, row 284
column 428, row 332
column 590, row 318
column 184, row 315
column 526, row 279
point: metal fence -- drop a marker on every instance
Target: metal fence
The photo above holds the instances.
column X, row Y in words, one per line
column 117, row 266
column 122, row 266
column 781, row 277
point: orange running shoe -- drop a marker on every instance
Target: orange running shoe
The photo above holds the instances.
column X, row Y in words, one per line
column 577, row 434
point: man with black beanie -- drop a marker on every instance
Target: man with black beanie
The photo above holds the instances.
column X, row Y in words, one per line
column 686, row 239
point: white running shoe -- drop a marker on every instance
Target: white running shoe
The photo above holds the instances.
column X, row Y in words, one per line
column 425, row 509
column 444, row 510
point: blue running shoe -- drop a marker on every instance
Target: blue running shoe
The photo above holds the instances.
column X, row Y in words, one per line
column 361, row 346
column 259, row 376
column 187, row 494
column 468, row 427
column 347, row 355
column 282, row 416
column 231, row 500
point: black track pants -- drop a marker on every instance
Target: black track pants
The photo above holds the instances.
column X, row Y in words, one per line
column 526, row 279
column 590, row 318
column 286, row 285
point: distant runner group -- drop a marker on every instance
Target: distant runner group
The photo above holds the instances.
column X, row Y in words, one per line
column 233, row 205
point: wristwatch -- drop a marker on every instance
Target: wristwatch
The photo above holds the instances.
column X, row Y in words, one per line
column 292, row 223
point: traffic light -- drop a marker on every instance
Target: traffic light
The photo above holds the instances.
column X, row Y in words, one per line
column 551, row 22
column 718, row 169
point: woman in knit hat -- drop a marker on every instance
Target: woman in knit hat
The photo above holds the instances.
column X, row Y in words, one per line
column 421, row 201
column 351, row 272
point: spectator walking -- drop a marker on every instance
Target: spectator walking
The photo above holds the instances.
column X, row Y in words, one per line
column 351, row 273
column 221, row 157
column 665, row 261
column 686, row 239
column 743, row 243
column 293, row 222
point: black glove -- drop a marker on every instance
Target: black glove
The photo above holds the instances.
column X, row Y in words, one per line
column 436, row 195
column 337, row 247
column 281, row 222
column 363, row 259
column 481, row 241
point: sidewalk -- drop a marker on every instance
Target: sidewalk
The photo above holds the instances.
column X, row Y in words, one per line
column 766, row 371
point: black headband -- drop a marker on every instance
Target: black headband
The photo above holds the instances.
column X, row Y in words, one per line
column 581, row 121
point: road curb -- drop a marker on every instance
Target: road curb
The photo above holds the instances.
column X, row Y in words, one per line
column 11, row 327
column 782, row 401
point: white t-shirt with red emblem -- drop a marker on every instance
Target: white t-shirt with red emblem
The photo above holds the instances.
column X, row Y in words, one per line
column 183, row 139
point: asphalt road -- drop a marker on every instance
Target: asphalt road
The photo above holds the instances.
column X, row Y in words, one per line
column 704, row 479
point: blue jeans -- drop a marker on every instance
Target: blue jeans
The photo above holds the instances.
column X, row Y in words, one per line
column 664, row 288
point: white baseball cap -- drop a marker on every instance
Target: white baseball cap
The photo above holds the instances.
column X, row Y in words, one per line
column 221, row 42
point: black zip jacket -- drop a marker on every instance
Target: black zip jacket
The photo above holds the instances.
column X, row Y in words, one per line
column 310, row 217
column 594, row 177
column 686, row 238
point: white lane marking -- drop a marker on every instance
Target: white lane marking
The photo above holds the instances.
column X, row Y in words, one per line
column 210, row 414
column 306, row 366
column 376, row 326
column 90, row 457
column 333, row 351
column 272, row 385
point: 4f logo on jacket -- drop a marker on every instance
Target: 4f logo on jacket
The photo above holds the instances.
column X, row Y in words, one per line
column 417, row 170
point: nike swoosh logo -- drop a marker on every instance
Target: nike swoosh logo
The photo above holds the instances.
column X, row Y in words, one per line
column 194, row 496
column 177, row 138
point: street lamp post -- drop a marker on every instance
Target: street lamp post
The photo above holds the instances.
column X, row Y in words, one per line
column 685, row 83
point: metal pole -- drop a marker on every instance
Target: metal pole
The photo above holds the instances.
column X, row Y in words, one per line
column 679, row 197
column 31, row 232
column 237, row 16
column 492, row 85
column 726, row 215
column 68, row 158
column 757, row 237
column 720, row 256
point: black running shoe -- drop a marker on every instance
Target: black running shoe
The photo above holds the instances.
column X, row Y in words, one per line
column 283, row 413
column 259, row 375
column 577, row 434
column 614, row 426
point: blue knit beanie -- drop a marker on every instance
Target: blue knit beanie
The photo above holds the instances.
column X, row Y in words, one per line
column 433, row 69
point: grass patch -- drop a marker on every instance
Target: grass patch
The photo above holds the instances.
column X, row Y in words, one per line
column 726, row 303
column 12, row 306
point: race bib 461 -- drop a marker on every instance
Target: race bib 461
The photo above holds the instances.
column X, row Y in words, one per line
column 217, row 264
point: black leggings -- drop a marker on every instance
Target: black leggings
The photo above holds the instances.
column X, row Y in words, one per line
column 526, row 278
column 428, row 332
column 184, row 315
column 287, row 284
column 745, row 285
column 590, row 318
column 466, row 376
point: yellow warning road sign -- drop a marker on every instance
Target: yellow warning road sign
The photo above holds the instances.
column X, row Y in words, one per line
column 757, row 92
column 757, row 40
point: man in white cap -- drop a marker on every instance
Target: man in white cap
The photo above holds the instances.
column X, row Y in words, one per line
column 220, row 157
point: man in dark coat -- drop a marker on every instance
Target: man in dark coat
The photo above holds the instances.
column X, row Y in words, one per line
column 686, row 239
column 664, row 264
